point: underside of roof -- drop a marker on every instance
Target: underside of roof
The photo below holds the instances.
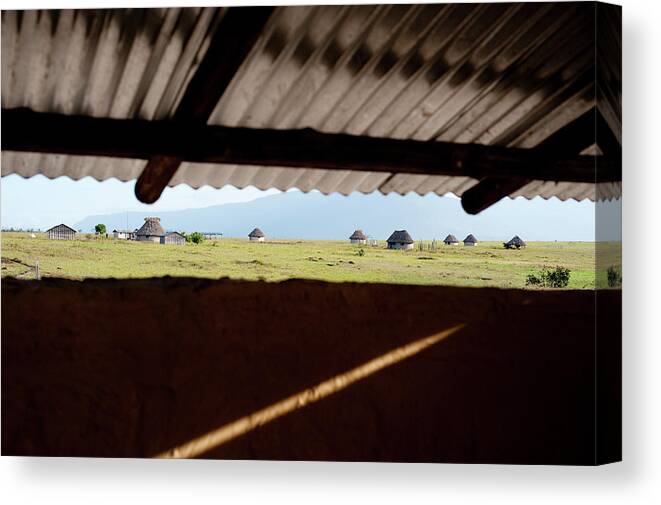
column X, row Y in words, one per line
column 506, row 74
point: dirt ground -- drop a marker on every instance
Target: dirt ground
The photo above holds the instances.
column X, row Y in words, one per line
column 138, row 368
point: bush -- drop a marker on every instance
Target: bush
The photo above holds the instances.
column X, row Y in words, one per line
column 196, row 237
column 100, row 229
column 549, row 278
column 614, row 277
column 361, row 252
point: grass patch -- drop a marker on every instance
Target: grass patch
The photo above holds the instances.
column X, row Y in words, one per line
column 337, row 261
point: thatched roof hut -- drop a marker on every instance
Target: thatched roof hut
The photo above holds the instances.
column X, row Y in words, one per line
column 470, row 240
column 358, row 237
column 515, row 242
column 151, row 230
column 257, row 235
column 450, row 240
column 400, row 239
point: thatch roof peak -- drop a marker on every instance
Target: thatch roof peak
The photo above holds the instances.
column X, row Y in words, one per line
column 256, row 233
column 400, row 236
column 516, row 240
column 358, row 235
column 470, row 239
column 450, row 239
column 152, row 227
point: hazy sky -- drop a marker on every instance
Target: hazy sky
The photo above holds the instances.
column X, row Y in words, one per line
column 40, row 203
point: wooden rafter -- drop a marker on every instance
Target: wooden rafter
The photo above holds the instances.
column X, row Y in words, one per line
column 583, row 132
column 233, row 39
column 191, row 141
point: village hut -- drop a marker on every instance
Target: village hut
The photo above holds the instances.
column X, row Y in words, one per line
column 173, row 237
column 450, row 240
column 358, row 237
column 61, row 232
column 470, row 240
column 151, row 230
column 257, row 235
column 400, row 239
column 514, row 243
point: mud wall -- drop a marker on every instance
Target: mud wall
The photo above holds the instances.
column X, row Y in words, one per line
column 135, row 368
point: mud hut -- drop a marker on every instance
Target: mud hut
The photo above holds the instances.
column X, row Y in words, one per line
column 515, row 243
column 257, row 235
column 358, row 237
column 470, row 240
column 400, row 239
column 151, row 230
column 450, row 240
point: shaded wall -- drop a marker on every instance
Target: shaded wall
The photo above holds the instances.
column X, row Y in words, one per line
column 515, row 385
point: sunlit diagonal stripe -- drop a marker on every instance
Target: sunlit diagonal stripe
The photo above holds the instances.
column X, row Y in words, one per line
column 241, row 426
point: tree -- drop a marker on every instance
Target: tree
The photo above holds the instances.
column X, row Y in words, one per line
column 196, row 237
column 100, row 229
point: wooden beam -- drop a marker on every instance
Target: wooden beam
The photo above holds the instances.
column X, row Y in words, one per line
column 233, row 39
column 25, row 130
column 568, row 141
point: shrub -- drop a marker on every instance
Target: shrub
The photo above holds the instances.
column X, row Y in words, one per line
column 361, row 252
column 614, row 277
column 196, row 237
column 557, row 277
column 100, row 229
column 533, row 280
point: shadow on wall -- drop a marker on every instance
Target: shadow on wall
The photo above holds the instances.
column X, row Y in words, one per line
column 300, row 370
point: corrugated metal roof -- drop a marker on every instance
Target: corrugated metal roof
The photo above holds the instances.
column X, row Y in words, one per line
column 507, row 74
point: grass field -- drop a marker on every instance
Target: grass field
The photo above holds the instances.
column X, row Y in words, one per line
column 488, row 264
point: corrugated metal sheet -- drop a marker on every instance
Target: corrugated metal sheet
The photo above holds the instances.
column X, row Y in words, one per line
column 507, row 74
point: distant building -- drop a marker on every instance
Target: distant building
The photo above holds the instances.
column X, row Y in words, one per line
column 124, row 234
column 257, row 235
column 151, row 231
column 470, row 240
column 400, row 239
column 451, row 240
column 213, row 236
column 61, row 232
column 358, row 237
column 173, row 237
column 515, row 243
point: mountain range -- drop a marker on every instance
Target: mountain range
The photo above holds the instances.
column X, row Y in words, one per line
column 313, row 215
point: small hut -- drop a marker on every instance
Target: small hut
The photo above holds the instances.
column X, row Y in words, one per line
column 151, row 230
column 358, row 237
column 514, row 243
column 61, row 232
column 257, row 235
column 173, row 237
column 400, row 239
column 450, row 240
column 470, row 240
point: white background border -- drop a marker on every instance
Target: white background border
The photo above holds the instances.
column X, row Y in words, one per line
column 636, row 480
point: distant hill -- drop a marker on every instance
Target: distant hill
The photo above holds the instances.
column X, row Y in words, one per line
column 316, row 216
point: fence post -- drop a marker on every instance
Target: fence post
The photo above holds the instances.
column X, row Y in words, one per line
column 36, row 271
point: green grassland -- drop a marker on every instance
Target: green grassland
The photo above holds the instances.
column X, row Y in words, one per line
column 488, row 264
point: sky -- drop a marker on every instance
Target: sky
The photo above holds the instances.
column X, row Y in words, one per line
column 40, row 203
